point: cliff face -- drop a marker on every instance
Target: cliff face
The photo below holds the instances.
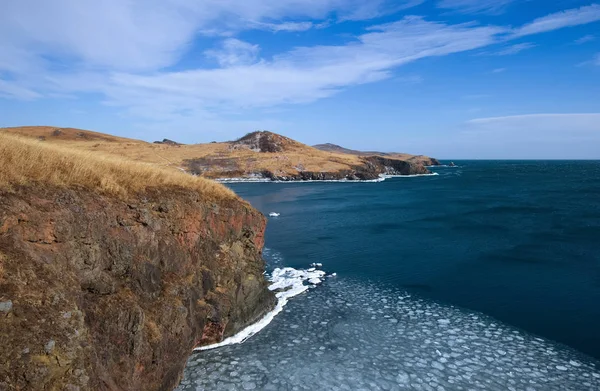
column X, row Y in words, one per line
column 102, row 294
column 418, row 159
column 370, row 169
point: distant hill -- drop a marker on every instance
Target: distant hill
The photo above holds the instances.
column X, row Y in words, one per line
column 257, row 155
column 339, row 149
column 426, row 160
column 264, row 141
column 53, row 133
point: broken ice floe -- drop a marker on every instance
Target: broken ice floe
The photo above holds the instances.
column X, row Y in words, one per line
column 286, row 282
column 351, row 335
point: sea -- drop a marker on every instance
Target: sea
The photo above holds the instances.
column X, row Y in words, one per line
column 483, row 277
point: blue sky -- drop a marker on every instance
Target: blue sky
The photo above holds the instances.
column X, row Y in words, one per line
column 447, row 78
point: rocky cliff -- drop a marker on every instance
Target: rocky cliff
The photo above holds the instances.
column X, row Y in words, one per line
column 370, row 169
column 420, row 159
column 272, row 156
column 99, row 293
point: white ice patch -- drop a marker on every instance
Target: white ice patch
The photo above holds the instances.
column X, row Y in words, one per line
column 287, row 282
column 386, row 176
column 354, row 335
column 243, row 180
column 334, row 180
column 268, row 180
column 381, row 178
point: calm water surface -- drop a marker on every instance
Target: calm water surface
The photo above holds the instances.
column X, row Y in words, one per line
column 518, row 242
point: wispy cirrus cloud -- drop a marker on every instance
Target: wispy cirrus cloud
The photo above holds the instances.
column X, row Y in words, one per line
column 10, row 89
column 569, row 18
column 585, row 39
column 514, row 49
column 363, row 10
column 595, row 61
column 304, row 74
column 588, row 122
column 124, row 50
column 234, row 52
column 288, row 26
column 475, row 6
column 152, row 34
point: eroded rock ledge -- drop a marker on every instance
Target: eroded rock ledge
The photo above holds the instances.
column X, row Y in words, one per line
column 101, row 294
column 370, row 169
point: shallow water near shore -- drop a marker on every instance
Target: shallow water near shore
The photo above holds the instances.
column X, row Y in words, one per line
column 458, row 281
column 354, row 335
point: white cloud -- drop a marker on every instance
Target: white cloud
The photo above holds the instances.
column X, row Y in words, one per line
column 475, row 6
column 534, row 136
column 301, row 75
column 585, row 39
column 121, row 50
column 595, row 61
column 234, row 52
column 10, row 89
column 111, row 33
column 569, row 18
column 587, row 122
column 373, row 8
column 514, row 49
column 498, row 70
column 286, row 26
column 149, row 34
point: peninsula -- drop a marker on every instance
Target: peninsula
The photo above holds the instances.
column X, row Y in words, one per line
column 260, row 156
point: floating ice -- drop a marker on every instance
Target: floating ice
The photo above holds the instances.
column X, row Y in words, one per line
column 260, row 179
column 342, row 337
column 274, row 214
column 287, row 282
column 386, row 176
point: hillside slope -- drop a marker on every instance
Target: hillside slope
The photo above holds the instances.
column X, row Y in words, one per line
column 261, row 154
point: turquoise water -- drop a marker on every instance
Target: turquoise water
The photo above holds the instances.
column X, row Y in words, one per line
column 486, row 276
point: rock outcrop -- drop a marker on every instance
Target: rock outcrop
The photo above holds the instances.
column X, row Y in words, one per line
column 372, row 168
column 420, row 159
column 264, row 141
column 101, row 294
column 166, row 141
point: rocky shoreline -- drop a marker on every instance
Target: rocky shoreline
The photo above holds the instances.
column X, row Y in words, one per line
column 373, row 169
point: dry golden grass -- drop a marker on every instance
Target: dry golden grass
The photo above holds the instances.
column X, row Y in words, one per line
column 219, row 156
column 173, row 157
column 65, row 134
column 26, row 161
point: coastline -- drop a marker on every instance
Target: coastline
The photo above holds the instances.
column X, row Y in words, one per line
column 382, row 178
column 287, row 282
